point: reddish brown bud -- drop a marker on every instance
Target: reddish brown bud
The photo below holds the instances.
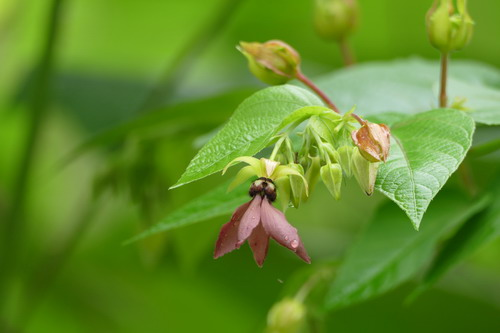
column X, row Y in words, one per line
column 373, row 141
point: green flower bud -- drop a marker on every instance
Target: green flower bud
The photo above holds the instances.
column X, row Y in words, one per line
column 331, row 174
column 335, row 19
column 297, row 185
column 364, row 171
column 312, row 174
column 345, row 153
column 448, row 29
column 286, row 316
column 273, row 62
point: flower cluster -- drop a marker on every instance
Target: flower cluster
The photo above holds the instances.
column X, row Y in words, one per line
column 334, row 147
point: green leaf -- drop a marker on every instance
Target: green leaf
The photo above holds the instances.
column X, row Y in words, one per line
column 217, row 202
column 411, row 85
column 390, row 252
column 480, row 230
column 425, row 150
column 251, row 127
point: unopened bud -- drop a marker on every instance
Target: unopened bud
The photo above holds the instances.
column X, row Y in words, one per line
column 312, row 174
column 335, row 19
column 345, row 153
column 331, row 174
column 286, row 316
column 364, row 171
column 449, row 29
column 373, row 141
column 273, row 62
column 297, row 185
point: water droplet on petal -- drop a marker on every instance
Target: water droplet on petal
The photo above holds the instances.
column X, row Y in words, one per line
column 286, row 238
column 294, row 243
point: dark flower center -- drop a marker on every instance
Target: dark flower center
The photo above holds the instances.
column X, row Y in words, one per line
column 265, row 187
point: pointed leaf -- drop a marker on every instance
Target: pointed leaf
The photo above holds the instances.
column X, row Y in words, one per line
column 217, row 202
column 251, row 128
column 425, row 150
column 390, row 251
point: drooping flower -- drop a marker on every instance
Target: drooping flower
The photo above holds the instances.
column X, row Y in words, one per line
column 257, row 220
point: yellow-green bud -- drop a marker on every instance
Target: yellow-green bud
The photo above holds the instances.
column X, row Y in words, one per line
column 449, row 29
column 345, row 153
column 335, row 19
column 273, row 62
column 297, row 185
column 286, row 316
column 364, row 171
column 331, row 174
column 312, row 174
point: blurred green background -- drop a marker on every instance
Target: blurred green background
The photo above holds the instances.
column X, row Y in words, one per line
column 116, row 59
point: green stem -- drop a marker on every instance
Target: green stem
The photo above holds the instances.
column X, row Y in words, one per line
column 346, row 52
column 443, row 98
column 16, row 220
column 305, row 80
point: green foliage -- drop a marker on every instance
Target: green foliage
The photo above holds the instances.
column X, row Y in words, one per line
column 212, row 204
column 426, row 149
column 480, row 230
column 411, row 86
column 390, row 252
column 251, row 128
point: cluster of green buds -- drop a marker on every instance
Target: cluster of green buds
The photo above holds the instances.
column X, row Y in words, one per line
column 335, row 19
column 333, row 147
column 449, row 28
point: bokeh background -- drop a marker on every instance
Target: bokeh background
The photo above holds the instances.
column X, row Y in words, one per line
column 117, row 59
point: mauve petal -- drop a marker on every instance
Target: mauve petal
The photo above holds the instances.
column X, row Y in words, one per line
column 250, row 219
column 259, row 243
column 276, row 225
column 228, row 236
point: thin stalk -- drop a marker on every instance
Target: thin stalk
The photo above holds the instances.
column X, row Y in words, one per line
column 305, row 80
column 443, row 99
column 346, row 52
column 16, row 219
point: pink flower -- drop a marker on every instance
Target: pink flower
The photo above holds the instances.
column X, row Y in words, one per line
column 256, row 221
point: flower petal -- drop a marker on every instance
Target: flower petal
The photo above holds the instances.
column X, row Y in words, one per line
column 259, row 243
column 228, row 236
column 250, row 219
column 276, row 225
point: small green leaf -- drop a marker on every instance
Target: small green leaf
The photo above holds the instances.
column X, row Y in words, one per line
column 425, row 150
column 216, row 202
column 251, row 127
column 390, row 252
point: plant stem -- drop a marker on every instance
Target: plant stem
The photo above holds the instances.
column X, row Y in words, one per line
column 305, row 80
column 346, row 52
column 16, row 219
column 443, row 99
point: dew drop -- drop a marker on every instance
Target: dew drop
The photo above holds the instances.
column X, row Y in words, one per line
column 286, row 238
column 294, row 243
